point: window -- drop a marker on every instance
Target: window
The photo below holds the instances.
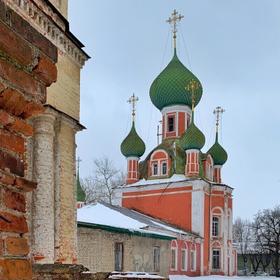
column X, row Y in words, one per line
column 215, row 226
column 216, row 258
column 173, row 258
column 171, row 121
column 164, row 168
column 184, row 264
column 156, row 258
column 118, row 256
column 193, row 260
column 155, row 169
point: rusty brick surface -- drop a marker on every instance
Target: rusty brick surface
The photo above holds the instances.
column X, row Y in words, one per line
column 12, row 142
column 24, row 29
column 12, row 223
column 14, row 200
column 15, row 269
column 46, row 70
column 16, row 246
column 11, row 163
column 10, row 42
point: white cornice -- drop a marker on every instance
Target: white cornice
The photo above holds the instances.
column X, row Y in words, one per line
column 49, row 24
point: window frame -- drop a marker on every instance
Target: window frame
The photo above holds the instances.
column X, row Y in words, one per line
column 156, row 258
column 164, row 163
column 185, row 266
column 215, row 226
column 193, row 260
column 120, row 268
column 175, row 250
column 218, row 257
column 171, row 117
column 155, row 165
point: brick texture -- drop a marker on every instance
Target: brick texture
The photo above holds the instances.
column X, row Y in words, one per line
column 16, row 246
column 27, row 67
column 14, row 200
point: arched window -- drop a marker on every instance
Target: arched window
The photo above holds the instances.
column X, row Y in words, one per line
column 209, row 168
column 174, row 255
column 193, row 258
column 184, row 257
column 216, row 225
column 159, row 163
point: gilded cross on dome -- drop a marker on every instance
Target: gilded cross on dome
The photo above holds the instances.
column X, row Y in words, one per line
column 192, row 87
column 173, row 21
column 132, row 100
column 218, row 112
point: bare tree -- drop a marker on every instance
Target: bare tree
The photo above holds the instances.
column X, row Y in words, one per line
column 101, row 186
column 242, row 237
column 267, row 230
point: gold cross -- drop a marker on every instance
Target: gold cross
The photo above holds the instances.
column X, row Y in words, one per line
column 173, row 20
column 132, row 100
column 218, row 112
column 192, row 87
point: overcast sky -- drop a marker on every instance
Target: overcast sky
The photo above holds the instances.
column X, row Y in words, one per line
column 232, row 46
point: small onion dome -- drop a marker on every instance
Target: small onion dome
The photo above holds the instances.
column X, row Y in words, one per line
column 192, row 138
column 169, row 88
column 218, row 153
column 81, row 196
column 133, row 145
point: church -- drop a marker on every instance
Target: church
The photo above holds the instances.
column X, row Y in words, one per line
column 178, row 182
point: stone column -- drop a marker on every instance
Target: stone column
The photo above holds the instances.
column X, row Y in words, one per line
column 43, row 198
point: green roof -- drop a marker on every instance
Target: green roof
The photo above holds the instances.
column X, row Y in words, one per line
column 81, row 195
column 133, row 145
column 169, row 88
column 192, row 138
column 218, row 153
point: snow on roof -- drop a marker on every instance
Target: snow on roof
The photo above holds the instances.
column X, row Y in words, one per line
column 119, row 217
column 172, row 179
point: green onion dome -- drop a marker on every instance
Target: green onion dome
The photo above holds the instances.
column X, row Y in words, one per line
column 133, row 145
column 169, row 88
column 218, row 153
column 192, row 138
column 81, row 196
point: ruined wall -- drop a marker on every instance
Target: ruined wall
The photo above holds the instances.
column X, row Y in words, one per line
column 27, row 67
column 138, row 251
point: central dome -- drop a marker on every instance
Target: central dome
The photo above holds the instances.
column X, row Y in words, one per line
column 169, row 88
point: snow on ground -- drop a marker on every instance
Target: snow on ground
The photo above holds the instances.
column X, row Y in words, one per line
column 217, row 277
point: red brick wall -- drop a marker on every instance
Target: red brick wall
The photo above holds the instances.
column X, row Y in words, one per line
column 27, row 67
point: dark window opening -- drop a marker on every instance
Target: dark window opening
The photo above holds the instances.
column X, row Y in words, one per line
column 156, row 259
column 171, row 123
column 155, row 169
column 118, row 256
column 216, row 259
column 215, row 226
column 164, row 168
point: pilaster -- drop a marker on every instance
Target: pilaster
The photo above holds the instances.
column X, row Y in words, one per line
column 43, row 196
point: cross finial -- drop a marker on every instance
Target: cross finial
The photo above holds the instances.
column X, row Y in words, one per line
column 173, row 20
column 192, row 87
column 132, row 100
column 218, row 112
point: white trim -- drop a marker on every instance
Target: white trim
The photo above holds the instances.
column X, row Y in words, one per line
column 132, row 158
column 176, row 108
column 186, row 258
column 176, row 256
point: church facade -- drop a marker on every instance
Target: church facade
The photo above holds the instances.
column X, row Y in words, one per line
column 177, row 182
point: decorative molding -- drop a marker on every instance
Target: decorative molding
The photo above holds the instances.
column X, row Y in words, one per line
column 49, row 24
